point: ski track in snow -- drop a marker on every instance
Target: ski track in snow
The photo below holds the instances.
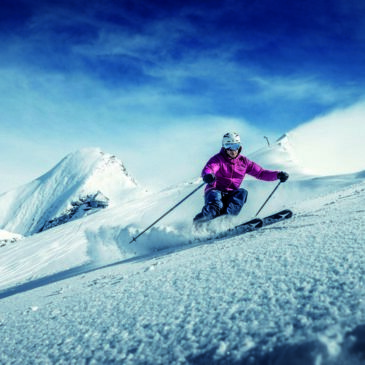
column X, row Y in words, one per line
column 290, row 293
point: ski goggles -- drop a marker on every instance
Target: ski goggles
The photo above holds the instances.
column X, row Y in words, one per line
column 232, row 146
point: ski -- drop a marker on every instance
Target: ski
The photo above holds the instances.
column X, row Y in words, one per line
column 252, row 225
column 257, row 223
column 277, row 217
column 249, row 226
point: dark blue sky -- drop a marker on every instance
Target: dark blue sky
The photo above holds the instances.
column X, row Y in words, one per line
column 219, row 49
column 124, row 67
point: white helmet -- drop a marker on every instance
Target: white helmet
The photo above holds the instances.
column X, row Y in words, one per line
column 231, row 140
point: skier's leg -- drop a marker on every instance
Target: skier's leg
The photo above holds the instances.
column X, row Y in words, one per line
column 213, row 206
column 235, row 201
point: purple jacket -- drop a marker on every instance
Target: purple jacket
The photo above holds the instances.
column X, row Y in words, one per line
column 230, row 173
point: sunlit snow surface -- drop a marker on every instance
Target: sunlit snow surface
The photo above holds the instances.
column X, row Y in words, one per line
column 291, row 293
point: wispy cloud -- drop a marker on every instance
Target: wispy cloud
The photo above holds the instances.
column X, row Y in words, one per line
column 76, row 74
column 305, row 88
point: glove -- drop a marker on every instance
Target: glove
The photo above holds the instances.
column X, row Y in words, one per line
column 283, row 176
column 208, row 178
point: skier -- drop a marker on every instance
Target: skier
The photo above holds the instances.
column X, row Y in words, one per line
column 224, row 173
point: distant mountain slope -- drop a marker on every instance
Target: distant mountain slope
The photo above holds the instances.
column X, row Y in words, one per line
column 79, row 177
column 281, row 155
column 328, row 145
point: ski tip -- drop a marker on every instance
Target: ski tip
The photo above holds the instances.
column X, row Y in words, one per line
column 286, row 213
column 283, row 214
column 289, row 213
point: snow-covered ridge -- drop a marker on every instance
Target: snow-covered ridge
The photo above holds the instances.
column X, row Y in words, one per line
column 282, row 155
column 328, row 145
column 27, row 209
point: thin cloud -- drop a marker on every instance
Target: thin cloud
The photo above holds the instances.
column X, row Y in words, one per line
column 297, row 88
column 75, row 75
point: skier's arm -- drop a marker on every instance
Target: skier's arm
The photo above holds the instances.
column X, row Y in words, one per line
column 260, row 173
column 211, row 167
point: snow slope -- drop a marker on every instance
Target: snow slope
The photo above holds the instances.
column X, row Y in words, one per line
column 26, row 209
column 104, row 237
column 291, row 293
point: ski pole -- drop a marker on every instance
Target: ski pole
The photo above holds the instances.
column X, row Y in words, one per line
column 268, row 198
column 165, row 214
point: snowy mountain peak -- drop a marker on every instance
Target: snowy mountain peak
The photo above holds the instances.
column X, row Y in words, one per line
column 82, row 177
column 88, row 164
